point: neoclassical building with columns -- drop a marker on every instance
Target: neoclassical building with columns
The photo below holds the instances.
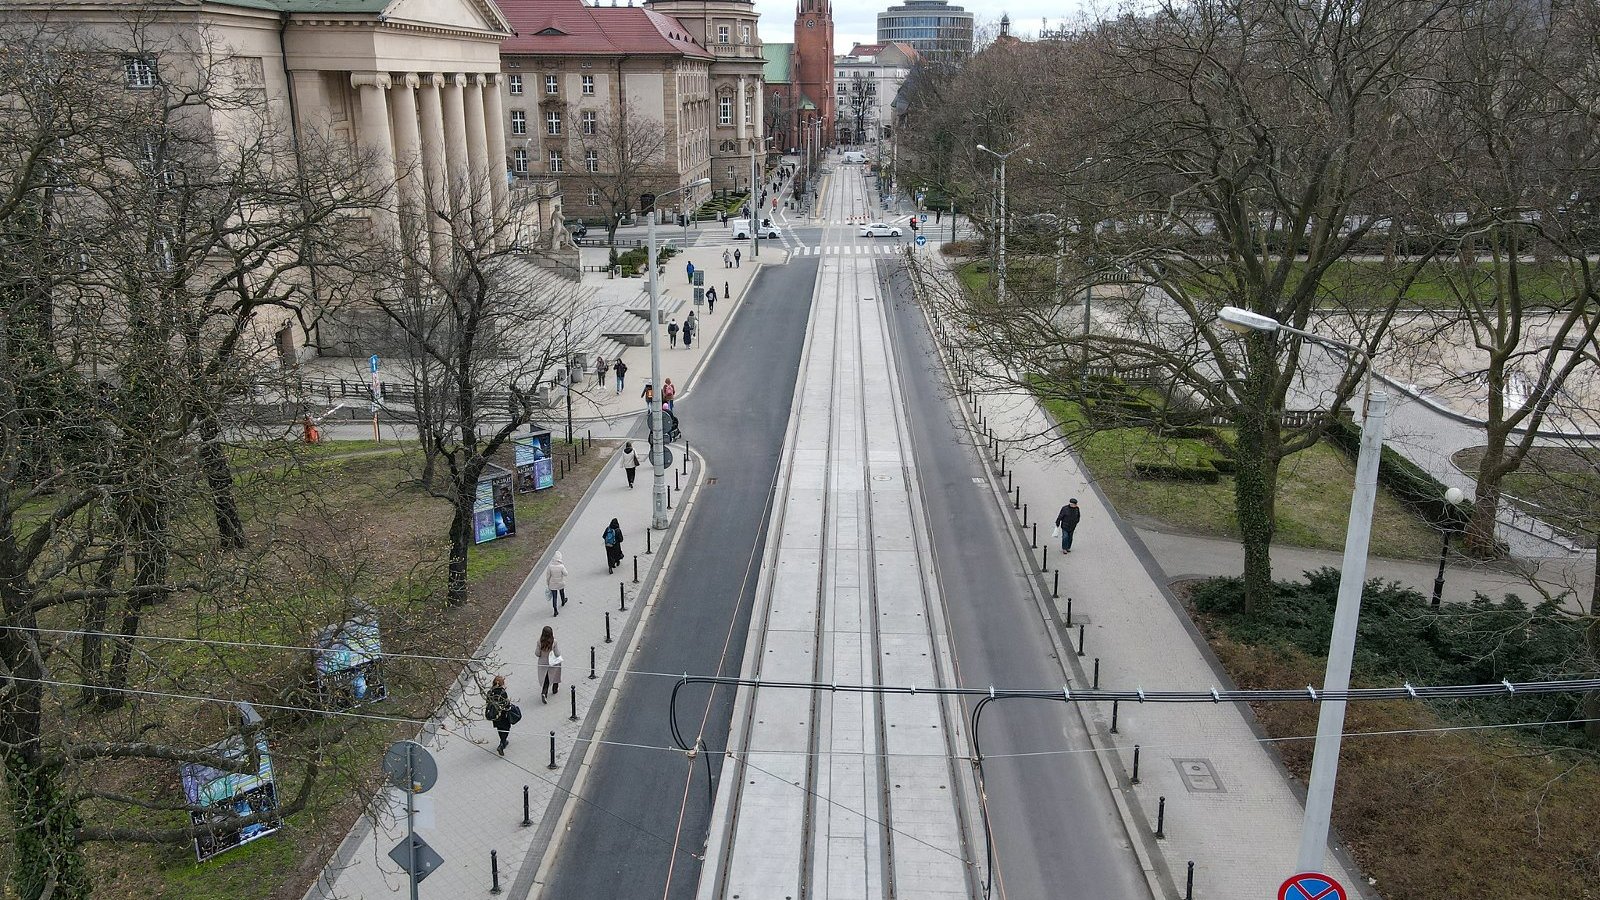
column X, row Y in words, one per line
column 412, row 85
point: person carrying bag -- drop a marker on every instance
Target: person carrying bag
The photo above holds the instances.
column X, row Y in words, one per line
column 501, row 712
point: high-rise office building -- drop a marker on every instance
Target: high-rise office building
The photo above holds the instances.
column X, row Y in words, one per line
column 938, row 31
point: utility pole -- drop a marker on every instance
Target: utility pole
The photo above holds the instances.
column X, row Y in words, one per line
column 658, row 485
column 566, row 331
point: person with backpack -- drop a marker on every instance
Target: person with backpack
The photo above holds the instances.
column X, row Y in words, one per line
column 621, row 368
column 601, row 367
column 501, row 712
column 736, row 255
column 613, row 539
column 672, row 333
column 555, row 581
column 711, row 299
column 549, row 665
column 669, row 392
column 649, row 394
column 630, row 462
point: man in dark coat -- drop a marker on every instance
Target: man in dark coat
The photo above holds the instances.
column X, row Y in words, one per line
column 1067, row 521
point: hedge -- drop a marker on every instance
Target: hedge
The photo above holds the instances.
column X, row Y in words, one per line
column 632, row 262
column 1206, row 473
column 1406, row 480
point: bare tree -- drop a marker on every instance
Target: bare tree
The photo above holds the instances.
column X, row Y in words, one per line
column 624, row 157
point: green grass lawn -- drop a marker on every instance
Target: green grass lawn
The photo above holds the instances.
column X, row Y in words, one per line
column 1314, row 489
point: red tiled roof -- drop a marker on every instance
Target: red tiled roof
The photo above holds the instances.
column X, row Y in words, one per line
column 594, row 30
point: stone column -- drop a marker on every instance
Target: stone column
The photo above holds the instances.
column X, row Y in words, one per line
column 407, row 143
column 738, row 113
column 495, row 117
column 434, row 164
column 455, row 140
column 477, row 154
column 760, row 123
column 374, row 137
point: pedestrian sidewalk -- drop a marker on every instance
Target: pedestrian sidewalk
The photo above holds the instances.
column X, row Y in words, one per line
column 477, row 806
column 1230, row 806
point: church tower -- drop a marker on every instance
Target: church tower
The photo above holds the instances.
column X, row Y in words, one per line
column 813, row 56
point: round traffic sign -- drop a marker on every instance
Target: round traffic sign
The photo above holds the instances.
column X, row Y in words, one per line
column 419, row 772
column 1311, row 886
column 922, row 239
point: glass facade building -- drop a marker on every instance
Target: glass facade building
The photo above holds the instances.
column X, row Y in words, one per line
column 938, row 31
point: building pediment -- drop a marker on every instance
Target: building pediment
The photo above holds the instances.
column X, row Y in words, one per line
column 475, row 15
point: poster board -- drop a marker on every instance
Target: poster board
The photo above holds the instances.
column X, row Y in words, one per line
column 494, row 512
column 350, row 665
column 226, row 794
column 536, row 469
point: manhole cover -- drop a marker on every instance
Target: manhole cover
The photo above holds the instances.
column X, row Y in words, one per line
column 1199, row 776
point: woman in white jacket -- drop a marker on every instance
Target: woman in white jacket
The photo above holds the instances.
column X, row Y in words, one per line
column 555, row 578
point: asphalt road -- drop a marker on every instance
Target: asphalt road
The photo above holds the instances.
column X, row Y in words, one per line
column 1056, row 830
column 619, row 844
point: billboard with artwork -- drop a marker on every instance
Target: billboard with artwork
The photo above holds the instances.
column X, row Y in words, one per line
column 494, row 511
column 221, row 795
column 350, row 664
column 536, row 470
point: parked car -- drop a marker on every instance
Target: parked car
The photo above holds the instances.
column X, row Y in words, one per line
column 879, row 229
column 741, row 230
column 854, row 157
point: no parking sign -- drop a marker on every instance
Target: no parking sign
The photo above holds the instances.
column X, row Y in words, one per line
column 1311, row 886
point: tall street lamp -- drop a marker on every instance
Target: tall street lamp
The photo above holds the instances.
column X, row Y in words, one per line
column 1453, row 497
column 1347, row 610
column 1000, row 266
column 658, row 517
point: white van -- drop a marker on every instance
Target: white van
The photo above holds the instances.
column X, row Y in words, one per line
column 741, row 230
column 854, row 157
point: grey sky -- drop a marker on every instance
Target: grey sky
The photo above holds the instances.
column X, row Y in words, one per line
column 858, row 22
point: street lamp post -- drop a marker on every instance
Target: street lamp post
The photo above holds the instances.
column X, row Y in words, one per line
column 1000, row 265
column 1452, row 496
column 1347, row 609
column 658, row 516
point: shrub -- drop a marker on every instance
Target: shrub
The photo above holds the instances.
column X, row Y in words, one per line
column 1173, row 472
column 964, row 248
column 1405, row 479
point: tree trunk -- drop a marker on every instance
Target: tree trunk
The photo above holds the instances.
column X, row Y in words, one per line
column 1591, row 641
column 460, row 541
column 219, row 479
column 150, row 570
column 1255, row 498
column 95, row 615
column 1480, row 539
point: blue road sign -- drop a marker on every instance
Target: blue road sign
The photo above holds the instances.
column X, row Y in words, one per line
column 1311, row 886
column 372, row 363
column 922, row 240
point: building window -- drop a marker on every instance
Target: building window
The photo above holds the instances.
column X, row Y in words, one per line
column 552, row 122
column 551, row 84
column 588, row 85
column 594, row 196
column 724, row 110
column 555, row 161
column 590, row 121
column 140, row 71
column 591, row 160
column 841, row 88
column 722, row 34
column 519, row 161
column 749, row 111
column 519, row 122
column 516, row 84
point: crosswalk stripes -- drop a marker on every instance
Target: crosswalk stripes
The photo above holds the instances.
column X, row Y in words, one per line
column 850, row 250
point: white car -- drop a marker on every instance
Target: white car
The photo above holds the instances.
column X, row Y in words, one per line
column 878, row 229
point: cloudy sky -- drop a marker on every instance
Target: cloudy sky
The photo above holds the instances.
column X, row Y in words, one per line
column 857, row 22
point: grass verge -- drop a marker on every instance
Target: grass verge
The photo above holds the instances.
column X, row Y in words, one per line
column 1560, row 485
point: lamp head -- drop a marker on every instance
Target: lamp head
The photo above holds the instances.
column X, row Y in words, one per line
column 983, row 148
column 698, row 182
column 1244, row 321
column 1454, row 495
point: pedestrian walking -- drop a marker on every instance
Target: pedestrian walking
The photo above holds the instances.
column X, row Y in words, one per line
column 727, row 260
column 736, row 255
column 600, row 369
column 1067, row 522
column 621, row 369
column 613, row 539
column 938, row 216
column 501, row 712
column 689, row 268
column 669, row 392
column 690, row 325
column 672, row 332
column 649, row 394
column 630, row 463
column 549, row 665
column 555, row 581
column 711, row 299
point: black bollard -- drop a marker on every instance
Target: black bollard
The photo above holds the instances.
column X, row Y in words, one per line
column 1044, row 558
column 685, row 457
column 494, row 872
column 675, row 483
column 1024, row 511
column 552, row 750
column 527, row 818
column 1114, row 704
column 1055, row 586
column 592, row 675
column 622, row 596
column 1080, row 639
column 1188, row 888
column 608, row 628
column 669, row 498
column 1069, row 612
column 574, row 716
column 1161, row 819
column 1096, row 673
column 636, row 567
column 1016, row 502
column 647, row 540
column 1034, row 541
column 1135, row 778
